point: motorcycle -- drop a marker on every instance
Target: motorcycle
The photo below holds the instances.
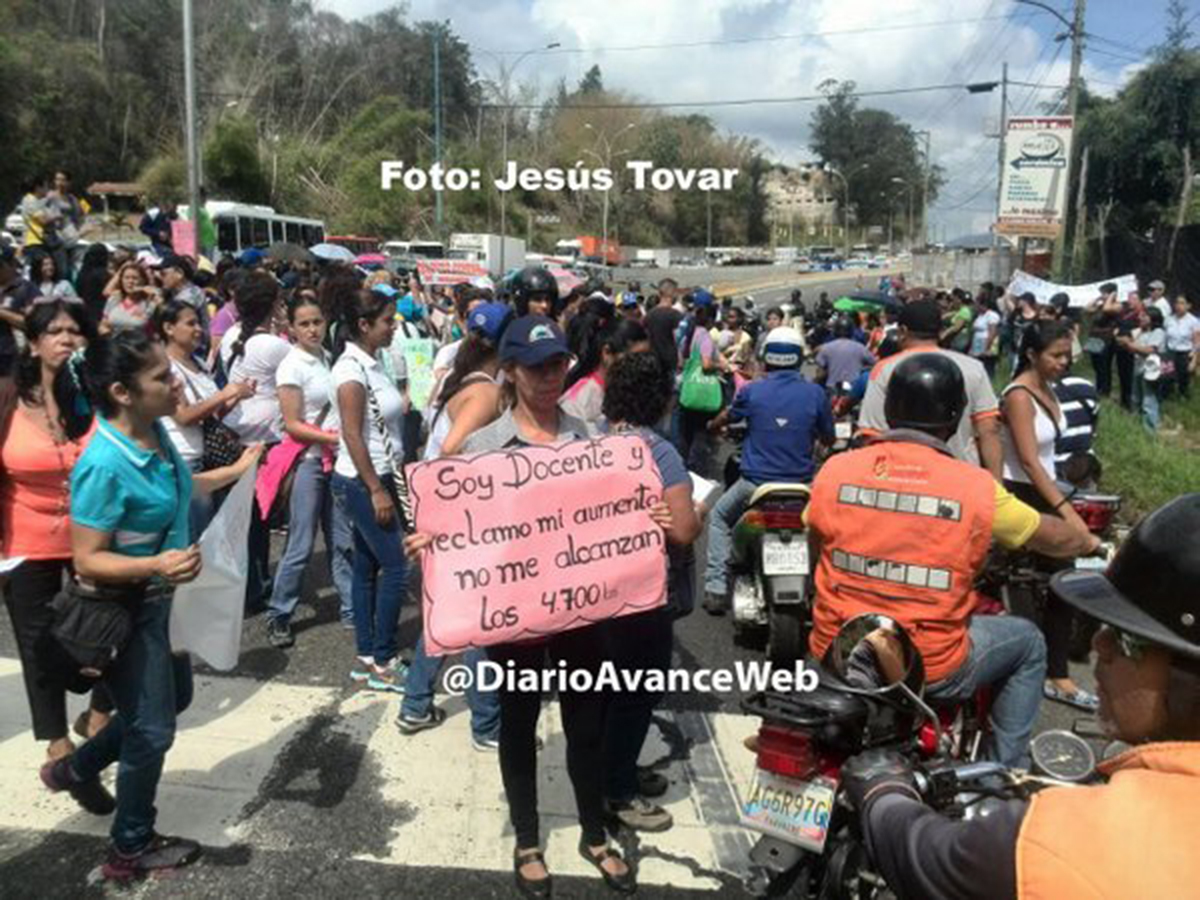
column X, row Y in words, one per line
column 1020, row 580
column 869, row 696
column 770, row 571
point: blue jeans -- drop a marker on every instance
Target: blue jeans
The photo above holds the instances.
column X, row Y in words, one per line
column 1146, row 400
column 312, row 505
column 378, row 582
column 1008, row 653
column 422, row 676
column 720, row 535
column 150, row 686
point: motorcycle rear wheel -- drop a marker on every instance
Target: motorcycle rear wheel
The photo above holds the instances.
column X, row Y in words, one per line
column 785, row 639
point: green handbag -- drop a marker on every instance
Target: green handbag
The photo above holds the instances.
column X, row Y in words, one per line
column 699, row 391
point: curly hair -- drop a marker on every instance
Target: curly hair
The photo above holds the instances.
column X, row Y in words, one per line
column 636, row 390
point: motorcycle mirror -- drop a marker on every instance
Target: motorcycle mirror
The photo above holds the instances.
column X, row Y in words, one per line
column 874, row 653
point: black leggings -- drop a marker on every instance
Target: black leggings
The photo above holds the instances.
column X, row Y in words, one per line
column 45, row 666
column 583, row 726
column 1057, row 617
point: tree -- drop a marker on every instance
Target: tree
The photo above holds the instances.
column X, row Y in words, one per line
column 592, row 82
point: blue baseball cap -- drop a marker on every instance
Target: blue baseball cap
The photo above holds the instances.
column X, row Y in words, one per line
column 701, row 297
column 386, row 290
column 629, row 298
column 531, row 340
column 251, row 257
column 490, row 320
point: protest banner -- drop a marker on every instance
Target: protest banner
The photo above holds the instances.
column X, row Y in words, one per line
column 183, row 238
column 533, row 541
column 418, row 356
column 1081, row 295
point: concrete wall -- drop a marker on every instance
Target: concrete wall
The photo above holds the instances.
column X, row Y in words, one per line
column 959, row 268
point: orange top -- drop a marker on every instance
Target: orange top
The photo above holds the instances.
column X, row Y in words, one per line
column 903, row 531
column 35, row 498
column 1133, row 837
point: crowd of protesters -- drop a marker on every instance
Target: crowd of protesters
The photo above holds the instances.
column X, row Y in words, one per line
column 139, row 385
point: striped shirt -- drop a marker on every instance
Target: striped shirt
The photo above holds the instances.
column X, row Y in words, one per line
column 1080, row 405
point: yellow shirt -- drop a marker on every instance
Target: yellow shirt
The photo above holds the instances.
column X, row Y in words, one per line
column 1015, row 520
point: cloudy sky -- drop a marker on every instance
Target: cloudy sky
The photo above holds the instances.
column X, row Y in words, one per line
column 754, row 49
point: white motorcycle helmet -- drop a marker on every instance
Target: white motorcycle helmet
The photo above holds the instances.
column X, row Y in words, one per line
column 784, row 348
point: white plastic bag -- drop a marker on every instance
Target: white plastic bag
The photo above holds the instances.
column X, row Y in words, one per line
column 206, row 615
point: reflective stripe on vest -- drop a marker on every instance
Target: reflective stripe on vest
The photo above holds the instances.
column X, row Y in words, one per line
column 903, row 529
column 1133, row 837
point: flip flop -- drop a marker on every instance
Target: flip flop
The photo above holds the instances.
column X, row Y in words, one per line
column 1079, row 698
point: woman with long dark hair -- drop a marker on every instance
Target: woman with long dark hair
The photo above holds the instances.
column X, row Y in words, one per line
column 93, row 276
column 695, row 445
column 1033, row 420
column 130, row 494
column 365, row 475
column 44, row 434
column 597, row 342
column 177, row 325
column 308, row 402
column 471, row 398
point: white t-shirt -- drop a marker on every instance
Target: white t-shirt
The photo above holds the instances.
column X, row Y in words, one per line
column 446, row 356
column 1180, row 332
column 989, row 318
column 350, row 367
column 197, row 387
column 256, row 418
column 314, row 377
column 1046, row 432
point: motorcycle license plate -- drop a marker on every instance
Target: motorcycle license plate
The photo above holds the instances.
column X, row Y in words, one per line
column 794, row 811
column 843, row 431
column 779, row 558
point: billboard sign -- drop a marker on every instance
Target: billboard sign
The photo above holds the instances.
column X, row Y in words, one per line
column 1034, row 179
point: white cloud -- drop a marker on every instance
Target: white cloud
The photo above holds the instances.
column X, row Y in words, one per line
column 967, row 51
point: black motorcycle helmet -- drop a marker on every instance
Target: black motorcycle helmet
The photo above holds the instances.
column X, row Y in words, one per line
column 842, row 327
column 532, row 281
column 1152, row 586
column 927, row 393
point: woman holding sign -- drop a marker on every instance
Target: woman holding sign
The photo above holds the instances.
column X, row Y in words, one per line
column 535, row 358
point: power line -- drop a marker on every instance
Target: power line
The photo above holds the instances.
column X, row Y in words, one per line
column 866, row 29
column 750, row 101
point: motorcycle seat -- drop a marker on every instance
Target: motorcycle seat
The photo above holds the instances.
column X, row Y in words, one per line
column 779, row 490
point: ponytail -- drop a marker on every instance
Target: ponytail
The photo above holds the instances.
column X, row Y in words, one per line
column 255, row 299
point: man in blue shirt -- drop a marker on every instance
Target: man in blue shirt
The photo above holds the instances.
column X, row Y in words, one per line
column 785, row 417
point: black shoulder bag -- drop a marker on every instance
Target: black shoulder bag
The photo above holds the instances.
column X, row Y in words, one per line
column 94, row 622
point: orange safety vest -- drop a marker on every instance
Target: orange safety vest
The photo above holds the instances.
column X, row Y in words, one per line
column 1133, row 837
column 904, row 531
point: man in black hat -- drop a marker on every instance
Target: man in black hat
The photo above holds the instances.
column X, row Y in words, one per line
column 1131, row 837
column 977, row 439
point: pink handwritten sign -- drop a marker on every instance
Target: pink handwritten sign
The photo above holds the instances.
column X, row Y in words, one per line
column 537, row 540
column 183, row 237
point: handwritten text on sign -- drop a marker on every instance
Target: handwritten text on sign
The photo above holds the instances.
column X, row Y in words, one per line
column 536, row 540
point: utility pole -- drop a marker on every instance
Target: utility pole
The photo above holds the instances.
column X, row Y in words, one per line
column 1000, row 152
column 708, row 213
column 1065, row 257
column 437, row 126
column 193, row 151
column 925, row 190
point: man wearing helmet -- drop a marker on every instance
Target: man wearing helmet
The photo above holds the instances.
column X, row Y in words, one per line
column 785, row 416
column 1134, row 835
column 904, row 529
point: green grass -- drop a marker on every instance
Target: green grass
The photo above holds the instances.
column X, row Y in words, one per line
column 1146, row 470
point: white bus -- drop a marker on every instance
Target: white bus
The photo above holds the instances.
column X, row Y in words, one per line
column 418, row 249
column 241, row 226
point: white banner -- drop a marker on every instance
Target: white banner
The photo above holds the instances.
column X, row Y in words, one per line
column 1034, row 178
column 1081, row 294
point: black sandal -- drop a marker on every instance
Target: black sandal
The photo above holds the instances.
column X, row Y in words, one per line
column 538, row 888
column 624, row 884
